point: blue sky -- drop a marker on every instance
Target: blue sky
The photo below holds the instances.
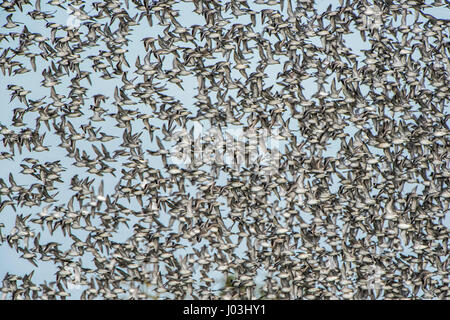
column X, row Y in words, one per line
column 9, row 259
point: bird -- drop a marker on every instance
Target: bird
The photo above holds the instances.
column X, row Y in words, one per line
column 257, row 143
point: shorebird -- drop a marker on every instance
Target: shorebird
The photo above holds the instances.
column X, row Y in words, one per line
column 333, row 191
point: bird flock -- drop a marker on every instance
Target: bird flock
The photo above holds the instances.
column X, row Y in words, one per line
column 351, row 205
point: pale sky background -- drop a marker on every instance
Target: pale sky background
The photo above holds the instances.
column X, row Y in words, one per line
column 9, row 258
